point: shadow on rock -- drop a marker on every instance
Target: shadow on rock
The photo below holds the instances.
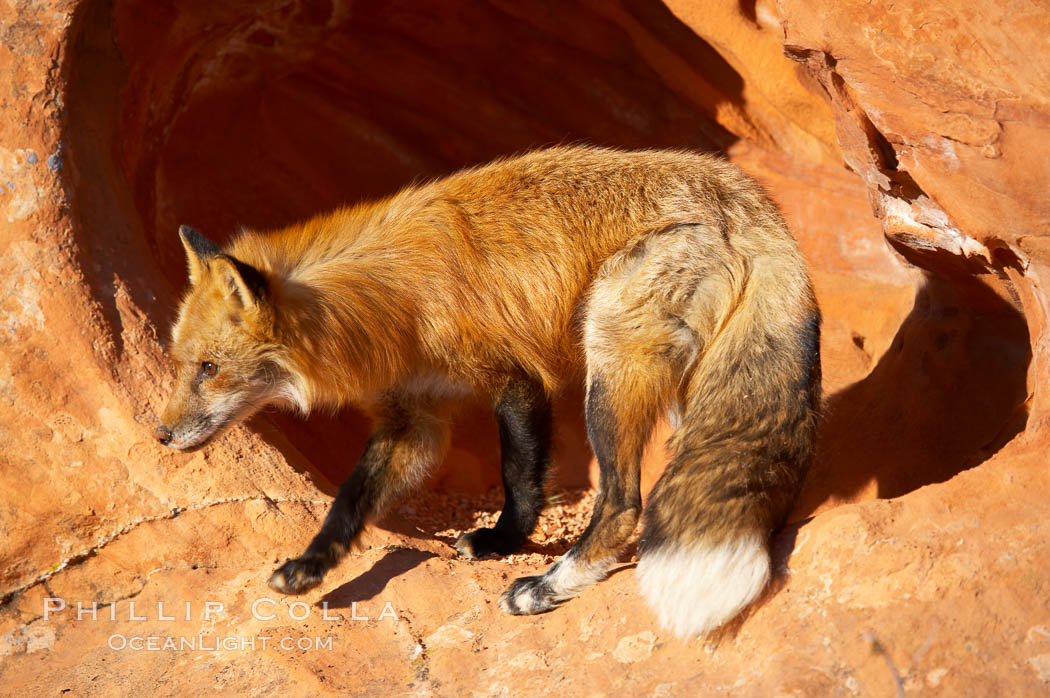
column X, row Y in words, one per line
column 368, row 584
column 950, row 391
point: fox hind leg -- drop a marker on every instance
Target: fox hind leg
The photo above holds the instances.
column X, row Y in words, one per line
column 618, row 438
column 630, row 352
column 523, row 413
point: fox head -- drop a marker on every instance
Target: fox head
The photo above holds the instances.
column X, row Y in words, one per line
column 222, row 345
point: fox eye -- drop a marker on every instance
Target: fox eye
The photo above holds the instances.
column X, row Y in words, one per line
column 209, row 369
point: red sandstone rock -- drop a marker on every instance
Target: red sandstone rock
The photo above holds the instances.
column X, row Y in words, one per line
column 942, row 109
column 918, row 557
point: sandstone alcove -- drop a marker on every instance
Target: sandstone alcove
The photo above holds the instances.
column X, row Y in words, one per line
column 258, row 115
column 914, row 191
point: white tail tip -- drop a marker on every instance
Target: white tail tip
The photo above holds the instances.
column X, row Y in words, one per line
column 697, row 588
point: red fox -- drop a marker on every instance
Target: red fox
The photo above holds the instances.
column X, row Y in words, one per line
column 668, row 276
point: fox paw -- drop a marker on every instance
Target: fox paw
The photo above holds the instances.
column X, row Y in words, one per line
column 486, row 541
column 298, row 576
column 529, row 595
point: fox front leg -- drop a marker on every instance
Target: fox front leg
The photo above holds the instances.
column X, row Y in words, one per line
column 523, row 413
column 408, row 440
column 341, row 527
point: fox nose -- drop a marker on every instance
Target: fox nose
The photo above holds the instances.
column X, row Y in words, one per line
column 163, row 435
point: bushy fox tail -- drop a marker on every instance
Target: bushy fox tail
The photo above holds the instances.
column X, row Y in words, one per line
column 748, row 414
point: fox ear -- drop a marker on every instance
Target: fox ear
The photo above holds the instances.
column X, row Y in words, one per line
column 244, row 285
column 199, row 250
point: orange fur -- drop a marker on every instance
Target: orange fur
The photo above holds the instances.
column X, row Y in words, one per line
column 474, row 275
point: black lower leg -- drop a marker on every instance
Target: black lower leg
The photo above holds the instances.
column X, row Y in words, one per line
column 353, row 506
column 523, row 412
column 619, row 455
